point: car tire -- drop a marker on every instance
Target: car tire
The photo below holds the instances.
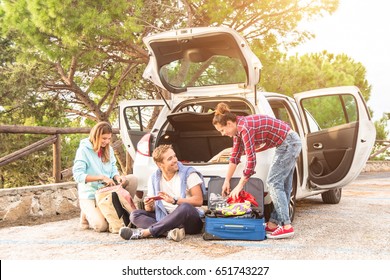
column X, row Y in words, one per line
column 332, row 196
column 267, row 211
column 293, row 198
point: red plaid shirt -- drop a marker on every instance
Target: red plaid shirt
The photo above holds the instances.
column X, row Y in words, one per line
column 252, row 132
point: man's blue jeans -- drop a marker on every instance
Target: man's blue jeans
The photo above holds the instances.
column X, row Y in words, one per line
column 280, row 177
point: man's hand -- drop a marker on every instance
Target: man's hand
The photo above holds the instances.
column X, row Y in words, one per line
column 166, row 197
column 149, row 204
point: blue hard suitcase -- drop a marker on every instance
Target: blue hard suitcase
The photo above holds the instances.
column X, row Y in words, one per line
column 236, row 228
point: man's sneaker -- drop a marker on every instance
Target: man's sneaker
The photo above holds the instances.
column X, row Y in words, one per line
column 176, row 234
column 281, row 232
column 269, row 230
column 128, row 233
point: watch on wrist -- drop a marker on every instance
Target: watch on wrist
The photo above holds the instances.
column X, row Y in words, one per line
column 175, row 199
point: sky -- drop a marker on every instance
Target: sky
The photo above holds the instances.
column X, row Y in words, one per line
column 361, row 30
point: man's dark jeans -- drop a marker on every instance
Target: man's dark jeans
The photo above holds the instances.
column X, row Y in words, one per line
column 185, row 215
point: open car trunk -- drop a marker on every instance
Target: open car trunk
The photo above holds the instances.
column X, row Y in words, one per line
column 193, row 137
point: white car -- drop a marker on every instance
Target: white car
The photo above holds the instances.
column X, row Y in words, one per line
column 201, row 67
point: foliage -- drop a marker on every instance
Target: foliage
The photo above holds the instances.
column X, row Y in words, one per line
column 380, row 126
column 89, row 54
column 19, row 173
column 74, row 51
column 328, row 110
column 68, row 63
column 312, row 71
column 272, row 22
column 35, row 168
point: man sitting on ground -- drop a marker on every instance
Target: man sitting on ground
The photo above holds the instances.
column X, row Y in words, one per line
column 172, row 205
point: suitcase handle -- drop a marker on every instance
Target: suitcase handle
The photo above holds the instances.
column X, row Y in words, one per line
column 234, row 227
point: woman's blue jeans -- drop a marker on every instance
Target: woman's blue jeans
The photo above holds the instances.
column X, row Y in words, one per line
column 280, row 178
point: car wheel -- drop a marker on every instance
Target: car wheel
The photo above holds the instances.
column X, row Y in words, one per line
column 332, row 196
column 292, row 204
column 267, row 211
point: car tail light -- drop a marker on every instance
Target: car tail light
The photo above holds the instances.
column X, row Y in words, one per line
column 143, row 145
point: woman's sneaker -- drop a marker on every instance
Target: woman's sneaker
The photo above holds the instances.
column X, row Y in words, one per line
column 269, row 230
column 281, row 232
column 176, row 234
column 127, row 233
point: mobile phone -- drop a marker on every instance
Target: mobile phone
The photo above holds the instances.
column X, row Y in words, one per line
column 157, row 197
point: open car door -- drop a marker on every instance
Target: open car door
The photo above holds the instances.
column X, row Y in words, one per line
column 339, row 135
column 136, row 119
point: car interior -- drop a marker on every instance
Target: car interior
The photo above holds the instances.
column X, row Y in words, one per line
column 192, row 134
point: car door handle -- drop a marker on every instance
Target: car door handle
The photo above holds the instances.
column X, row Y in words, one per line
column 317, row 146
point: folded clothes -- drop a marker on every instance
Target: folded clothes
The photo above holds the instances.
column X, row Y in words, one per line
column 235, row 209
column 217, row 201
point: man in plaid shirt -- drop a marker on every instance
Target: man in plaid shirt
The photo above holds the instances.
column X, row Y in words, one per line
column 256, row 133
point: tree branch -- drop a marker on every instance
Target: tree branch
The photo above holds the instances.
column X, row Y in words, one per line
column 72, row 69
column 82, row 114
column 118, row 88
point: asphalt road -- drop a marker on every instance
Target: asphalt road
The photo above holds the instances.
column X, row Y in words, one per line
column 358, row 228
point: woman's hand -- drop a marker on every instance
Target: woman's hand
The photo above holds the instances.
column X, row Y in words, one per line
column 238, row 188
column 107, row 181
column 121, row 180
column 234, row 193
column 226, row 188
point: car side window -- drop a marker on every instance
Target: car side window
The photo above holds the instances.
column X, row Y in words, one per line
column 330, row 111
column 141, row 118
column 282, row 114
column 283, row 111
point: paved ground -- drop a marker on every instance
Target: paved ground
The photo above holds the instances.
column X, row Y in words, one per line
column 356, row 229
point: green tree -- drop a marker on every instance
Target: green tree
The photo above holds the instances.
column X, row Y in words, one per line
column 381, row 134
column 271, row 22
column 381, row 127
column 73, row 60
column 318, row 70
column 90, row 53
column 313, row 71
column 71, row 55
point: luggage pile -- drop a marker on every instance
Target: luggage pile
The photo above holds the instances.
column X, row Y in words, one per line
column 242, row 219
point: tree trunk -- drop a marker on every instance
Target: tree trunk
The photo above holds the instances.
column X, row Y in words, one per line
column 120, row 153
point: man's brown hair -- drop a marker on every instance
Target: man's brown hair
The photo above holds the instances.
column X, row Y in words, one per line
column 159, row 151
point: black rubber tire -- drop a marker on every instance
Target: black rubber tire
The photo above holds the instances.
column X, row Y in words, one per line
column 267, row 211
column 332, row 196
column 293, row 200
